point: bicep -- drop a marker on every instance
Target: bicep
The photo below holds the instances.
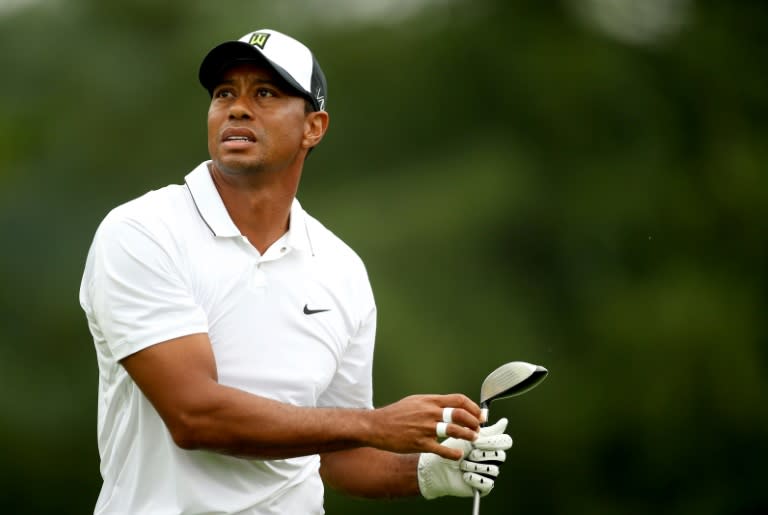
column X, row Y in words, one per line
column 176, row 375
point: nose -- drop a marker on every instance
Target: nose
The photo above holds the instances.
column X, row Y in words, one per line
column 239, row 110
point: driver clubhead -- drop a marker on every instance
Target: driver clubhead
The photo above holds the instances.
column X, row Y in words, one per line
column 511, row 379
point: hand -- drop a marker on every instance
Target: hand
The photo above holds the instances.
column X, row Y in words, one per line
column 410, row 425
column 477, row 469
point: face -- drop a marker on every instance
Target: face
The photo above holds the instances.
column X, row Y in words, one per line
column 257, row 123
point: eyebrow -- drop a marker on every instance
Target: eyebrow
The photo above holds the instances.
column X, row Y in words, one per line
column 268, row 82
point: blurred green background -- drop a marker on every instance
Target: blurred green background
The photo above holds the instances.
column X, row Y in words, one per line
column 581, row 184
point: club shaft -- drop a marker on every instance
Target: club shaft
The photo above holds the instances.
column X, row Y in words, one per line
column 476, row 503
column 476, row 500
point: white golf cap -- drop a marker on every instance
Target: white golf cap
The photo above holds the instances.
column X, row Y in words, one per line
column 291, row 59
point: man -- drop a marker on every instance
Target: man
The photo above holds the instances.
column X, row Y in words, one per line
column 234, row 333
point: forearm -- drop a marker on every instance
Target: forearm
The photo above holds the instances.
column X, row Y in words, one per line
column 376, row 473
column 234, row 422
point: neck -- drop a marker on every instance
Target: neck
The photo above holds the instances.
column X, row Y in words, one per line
column 259, row 208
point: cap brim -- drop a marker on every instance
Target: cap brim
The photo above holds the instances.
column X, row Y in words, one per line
column 231, row 53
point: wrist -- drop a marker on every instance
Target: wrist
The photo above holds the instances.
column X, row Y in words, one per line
column 364, row 428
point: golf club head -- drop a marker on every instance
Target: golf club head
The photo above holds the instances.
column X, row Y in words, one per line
column 511, row 379
column 508, row 380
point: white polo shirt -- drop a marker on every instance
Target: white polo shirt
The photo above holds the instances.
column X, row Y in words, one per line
column 295, row 325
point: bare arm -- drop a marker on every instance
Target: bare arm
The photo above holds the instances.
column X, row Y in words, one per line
column 179, row 378
column 372, row 473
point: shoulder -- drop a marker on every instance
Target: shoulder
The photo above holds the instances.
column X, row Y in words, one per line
column 155, row 212
column 135, row 237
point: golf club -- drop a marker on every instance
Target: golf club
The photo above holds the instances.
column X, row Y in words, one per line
column 509, row 380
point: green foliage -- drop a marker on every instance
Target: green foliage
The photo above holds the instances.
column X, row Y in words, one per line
column 520, row 185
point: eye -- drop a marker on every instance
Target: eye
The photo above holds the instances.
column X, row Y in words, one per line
column 265, row 93
column 222, row 93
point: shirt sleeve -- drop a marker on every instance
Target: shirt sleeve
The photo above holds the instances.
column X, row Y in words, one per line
column 134, row 290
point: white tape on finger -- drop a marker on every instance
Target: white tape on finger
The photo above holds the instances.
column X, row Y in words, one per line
column 441, row 429
column 448, row 415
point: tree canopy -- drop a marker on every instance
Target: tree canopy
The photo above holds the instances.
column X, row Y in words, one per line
column 579, row 184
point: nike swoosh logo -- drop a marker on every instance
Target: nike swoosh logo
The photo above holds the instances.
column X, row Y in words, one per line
column 308, row 311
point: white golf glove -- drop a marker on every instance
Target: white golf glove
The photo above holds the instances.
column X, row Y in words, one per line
column 476, row 470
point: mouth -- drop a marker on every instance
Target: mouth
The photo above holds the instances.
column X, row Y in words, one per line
column 237, row 137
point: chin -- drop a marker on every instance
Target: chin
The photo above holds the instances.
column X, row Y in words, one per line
column 238, row 165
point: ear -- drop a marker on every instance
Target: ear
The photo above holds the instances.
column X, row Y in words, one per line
column 315, row 126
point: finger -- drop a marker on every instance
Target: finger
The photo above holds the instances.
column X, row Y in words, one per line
column 485, row 469
column 498, row 428
column 493, row 443
column 462, row 417
column 460, row 432
column 481, row 456
column 458, row 400
column 449, row 453
column 456, row 443
column 480, row 483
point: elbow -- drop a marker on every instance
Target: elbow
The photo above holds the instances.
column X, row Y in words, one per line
column 197, row 425
column 187, row 433
column 202, row 434
column 186, row 441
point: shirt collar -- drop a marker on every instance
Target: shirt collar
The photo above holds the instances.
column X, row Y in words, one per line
column 298, row 230
column 213, row 212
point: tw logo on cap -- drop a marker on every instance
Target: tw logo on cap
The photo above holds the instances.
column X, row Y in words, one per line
column 259, row 39
column 320, row 99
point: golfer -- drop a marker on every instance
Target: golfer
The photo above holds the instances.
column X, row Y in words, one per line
column 234, row 333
